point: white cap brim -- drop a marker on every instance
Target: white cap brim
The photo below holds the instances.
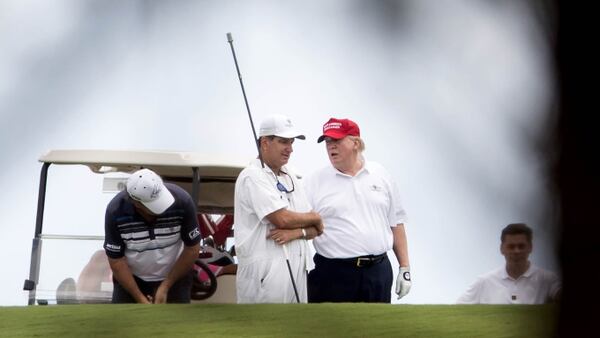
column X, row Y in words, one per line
column 162, row 203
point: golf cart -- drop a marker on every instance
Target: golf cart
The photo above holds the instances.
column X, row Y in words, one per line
column 209, row 180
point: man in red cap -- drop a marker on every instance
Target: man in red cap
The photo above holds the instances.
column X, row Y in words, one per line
column 363, row 218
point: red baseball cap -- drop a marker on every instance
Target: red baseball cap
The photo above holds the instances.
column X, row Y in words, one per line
column 338, row 129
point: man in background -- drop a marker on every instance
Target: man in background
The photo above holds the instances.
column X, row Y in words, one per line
column 518, row 281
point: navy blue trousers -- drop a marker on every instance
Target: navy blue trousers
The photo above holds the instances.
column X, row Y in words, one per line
column 337, row 280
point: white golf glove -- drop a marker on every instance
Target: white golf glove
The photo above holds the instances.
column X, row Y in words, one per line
column 403, row 282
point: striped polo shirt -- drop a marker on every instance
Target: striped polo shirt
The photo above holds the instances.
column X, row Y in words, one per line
column 151, row 248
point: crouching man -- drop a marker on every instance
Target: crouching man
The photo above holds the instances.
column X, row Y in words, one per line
column 151, row 240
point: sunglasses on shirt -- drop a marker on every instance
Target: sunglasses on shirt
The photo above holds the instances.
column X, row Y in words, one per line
column 282, row 187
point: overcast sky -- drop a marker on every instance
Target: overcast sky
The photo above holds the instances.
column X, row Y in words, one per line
column 453, row 97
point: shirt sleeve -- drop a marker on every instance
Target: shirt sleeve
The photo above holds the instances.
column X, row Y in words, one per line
column 190, row 231
column 471, row 295
column 555, row 285
column 263, row 197
column 113, row 243
column 396, row 214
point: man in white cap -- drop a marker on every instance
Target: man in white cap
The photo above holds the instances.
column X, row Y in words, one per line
column 152, row 241
column 360, row 205
column 273, row 221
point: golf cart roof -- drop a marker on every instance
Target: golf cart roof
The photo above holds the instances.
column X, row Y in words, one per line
column 164, row 163
column 217, row 173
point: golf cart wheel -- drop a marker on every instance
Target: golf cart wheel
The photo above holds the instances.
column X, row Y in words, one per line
column 202, row 290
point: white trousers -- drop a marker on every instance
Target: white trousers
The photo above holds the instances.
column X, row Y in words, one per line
column 268, row 281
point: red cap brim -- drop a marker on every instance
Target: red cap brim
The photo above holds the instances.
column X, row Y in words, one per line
column 333, row 133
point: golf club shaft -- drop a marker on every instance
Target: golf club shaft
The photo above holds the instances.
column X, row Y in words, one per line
column 289, row 266
column 287, row 259
column 237, row 68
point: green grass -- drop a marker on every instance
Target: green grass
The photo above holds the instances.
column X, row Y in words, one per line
column 290, row 320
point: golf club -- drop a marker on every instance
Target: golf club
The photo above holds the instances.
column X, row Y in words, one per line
column 287, row 259
column 237, row 68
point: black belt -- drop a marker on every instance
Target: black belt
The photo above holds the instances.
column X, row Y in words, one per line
column 362, row 261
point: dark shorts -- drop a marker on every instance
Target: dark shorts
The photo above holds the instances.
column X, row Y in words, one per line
column 180, row 292
column 351, row 280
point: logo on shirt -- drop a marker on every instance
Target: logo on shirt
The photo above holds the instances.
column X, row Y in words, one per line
column 375, row 187
column 194, row 233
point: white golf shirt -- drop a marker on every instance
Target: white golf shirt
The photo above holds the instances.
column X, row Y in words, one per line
column 357, row 211
column 262, row 275
column 535, row 286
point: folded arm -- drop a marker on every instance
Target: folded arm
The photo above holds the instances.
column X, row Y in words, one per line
column 282, row 236
column 286, row 219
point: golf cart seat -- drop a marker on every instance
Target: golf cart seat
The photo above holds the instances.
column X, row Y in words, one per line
column 219, row 230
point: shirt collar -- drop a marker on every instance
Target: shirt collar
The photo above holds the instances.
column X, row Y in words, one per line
column 527, row 273
column 504, row 273
column 266, row 168
column 365, row 168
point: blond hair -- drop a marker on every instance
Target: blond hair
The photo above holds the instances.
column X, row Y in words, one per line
column 361, row 143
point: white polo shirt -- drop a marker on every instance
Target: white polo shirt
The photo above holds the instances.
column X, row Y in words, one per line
column 535, row 286
column 262, row 271
column 357, row 211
